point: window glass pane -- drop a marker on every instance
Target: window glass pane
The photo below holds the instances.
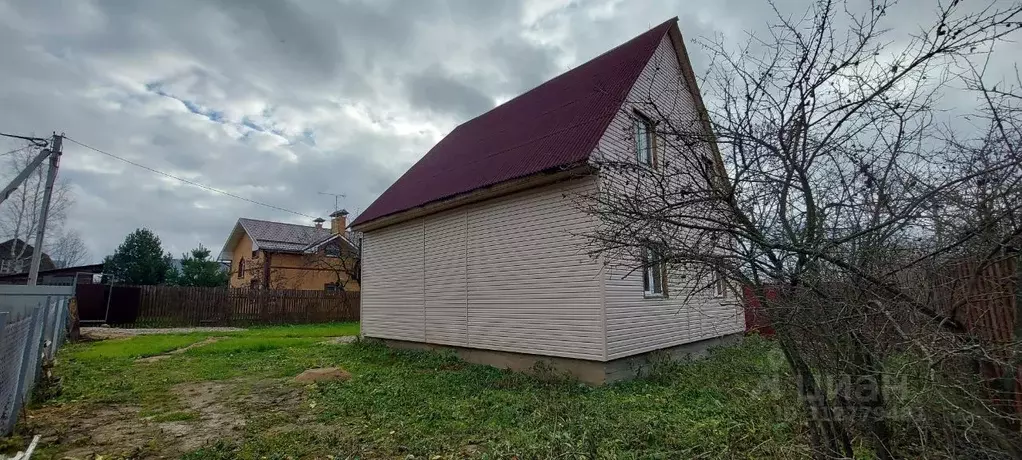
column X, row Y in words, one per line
column 642, row 141
column 652, row 278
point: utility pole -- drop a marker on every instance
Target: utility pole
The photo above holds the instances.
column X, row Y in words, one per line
column 51, row 176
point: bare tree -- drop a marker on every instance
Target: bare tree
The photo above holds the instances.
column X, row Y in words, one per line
column 19, row 214
column 342, row 260
column 68, row 250
column 821, row 171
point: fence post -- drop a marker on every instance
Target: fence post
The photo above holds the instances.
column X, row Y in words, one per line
column 36, row 341
column 11, row 396
column 59, row 324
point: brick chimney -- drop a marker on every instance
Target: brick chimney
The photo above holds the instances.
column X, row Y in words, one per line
column 319, row 222
column 338, row 221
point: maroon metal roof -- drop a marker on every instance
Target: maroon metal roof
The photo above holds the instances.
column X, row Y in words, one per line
column 555, row 124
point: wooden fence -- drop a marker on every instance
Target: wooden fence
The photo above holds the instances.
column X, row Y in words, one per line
column 172, row 306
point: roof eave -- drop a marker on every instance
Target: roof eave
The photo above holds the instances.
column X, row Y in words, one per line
column 530, row 181
column 228, row 247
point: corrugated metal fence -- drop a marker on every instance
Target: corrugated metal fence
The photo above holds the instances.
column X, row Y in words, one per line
column 33, row 325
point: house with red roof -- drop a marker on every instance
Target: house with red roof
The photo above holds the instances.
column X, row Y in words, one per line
column 478, row 247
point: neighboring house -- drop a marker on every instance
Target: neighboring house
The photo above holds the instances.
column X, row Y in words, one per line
column 81, row 274
column 277, row 255
column 480, row 247
column 16, row 257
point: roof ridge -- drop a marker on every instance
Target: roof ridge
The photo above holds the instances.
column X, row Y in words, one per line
column 569, row 71
column 557, row 123
column 279, row 223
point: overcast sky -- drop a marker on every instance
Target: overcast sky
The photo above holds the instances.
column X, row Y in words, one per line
column 277, row 101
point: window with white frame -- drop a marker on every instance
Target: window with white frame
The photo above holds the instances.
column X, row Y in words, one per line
column 719, row 284
column 654, row 274
column 19, row 266
column 645, row 139
column 6, row 265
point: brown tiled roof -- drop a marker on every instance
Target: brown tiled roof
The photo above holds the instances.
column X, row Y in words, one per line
column 280, row 236
column 555, row 125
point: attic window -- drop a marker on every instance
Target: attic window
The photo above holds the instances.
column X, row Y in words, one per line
column 332, row 250
column 645, row 139
column 6, row 265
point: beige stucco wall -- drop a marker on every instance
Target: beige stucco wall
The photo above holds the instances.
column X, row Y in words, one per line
column 505, row 274
column 289, row 271
column 242, row 250
column 636, row 324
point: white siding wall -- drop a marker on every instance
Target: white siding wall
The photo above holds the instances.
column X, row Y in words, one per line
column 446, row 298
column 392, row 300
column 636, row 324
column 506, row 274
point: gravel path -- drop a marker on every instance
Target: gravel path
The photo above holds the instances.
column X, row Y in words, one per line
column 99, row 333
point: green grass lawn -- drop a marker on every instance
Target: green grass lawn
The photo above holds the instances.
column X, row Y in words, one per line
column 399, row 404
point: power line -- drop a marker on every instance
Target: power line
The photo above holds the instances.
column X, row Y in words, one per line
column 196, row 184
column 38, row 141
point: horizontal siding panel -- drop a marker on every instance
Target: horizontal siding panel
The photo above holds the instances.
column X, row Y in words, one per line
column 392, row 282
column 507, row 274
column 445, row 298
column 530, row 288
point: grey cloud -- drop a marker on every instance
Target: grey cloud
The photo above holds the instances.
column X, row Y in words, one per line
column 443, row 93
column 373, row 82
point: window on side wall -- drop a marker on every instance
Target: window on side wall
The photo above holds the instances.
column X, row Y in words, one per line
column 241, row 267
column 654, row 275
column 645, row 139
column 331, row 287
column 5, row 266
column 719, row 285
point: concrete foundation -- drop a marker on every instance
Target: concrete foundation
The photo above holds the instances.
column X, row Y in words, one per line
column 591, row 372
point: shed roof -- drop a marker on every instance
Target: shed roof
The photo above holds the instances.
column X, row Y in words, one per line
column 555, row 125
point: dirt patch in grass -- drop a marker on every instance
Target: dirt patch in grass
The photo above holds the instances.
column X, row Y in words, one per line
column 209, row 412
column 82, row 431
column 339, row 340
column 151, row 359
column 103, row 333
column 216, row 419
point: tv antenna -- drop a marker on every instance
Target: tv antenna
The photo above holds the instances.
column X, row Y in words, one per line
column 337, row 198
